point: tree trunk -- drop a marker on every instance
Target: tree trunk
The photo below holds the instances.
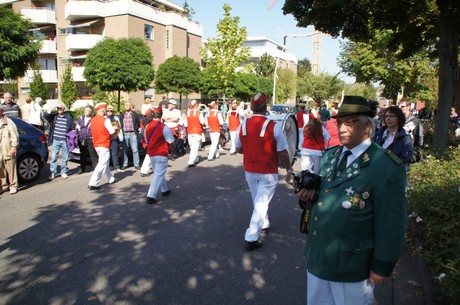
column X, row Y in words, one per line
column 448, row 63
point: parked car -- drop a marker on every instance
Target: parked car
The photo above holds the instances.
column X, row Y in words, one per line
column 32, row 154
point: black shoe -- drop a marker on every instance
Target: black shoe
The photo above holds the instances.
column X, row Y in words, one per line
column 149, row 200
column 168, row 192
column 124, row 167
column 51, row 177
column 252, row 245
column 143, row 175
column 81, row 171
column 192, row 165
column 93, row 188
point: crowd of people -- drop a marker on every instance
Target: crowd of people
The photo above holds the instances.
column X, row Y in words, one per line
column 348, row 147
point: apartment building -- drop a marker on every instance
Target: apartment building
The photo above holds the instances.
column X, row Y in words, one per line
column 260, row 45
column 70, row 28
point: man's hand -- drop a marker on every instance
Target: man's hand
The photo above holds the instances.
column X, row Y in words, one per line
column 306, row 195
column 374, row 278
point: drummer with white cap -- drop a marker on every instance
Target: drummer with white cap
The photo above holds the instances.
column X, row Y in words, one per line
column 262, row 143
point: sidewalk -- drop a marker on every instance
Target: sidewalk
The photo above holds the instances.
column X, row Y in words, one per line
column 409, row 285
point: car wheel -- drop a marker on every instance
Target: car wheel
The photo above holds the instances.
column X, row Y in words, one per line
column 28, row 168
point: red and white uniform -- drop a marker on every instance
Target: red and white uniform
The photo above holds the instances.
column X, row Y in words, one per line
column 233, row 121
column 101, row 129
column 194, row 122
column 214, row 121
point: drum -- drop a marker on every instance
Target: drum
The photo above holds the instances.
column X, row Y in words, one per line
column 288, row 124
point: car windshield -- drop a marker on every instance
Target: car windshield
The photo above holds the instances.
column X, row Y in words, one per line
column 283, row 108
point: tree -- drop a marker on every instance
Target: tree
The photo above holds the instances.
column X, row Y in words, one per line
column 17, row 48
column 365, row 90
column 265, row 66
column 188, row 11
column 246, row 85
column 178, row 74
column 38, row 88
column 320, row 87
column 285, row 86
column 124, row 64
column 69, row 91
column 225, row 52
column 421, row 24
column 266, row 87
column 373, row 61
column 303, row 67
column 211, row 86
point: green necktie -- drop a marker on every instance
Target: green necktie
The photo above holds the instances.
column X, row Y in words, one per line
column 342, row 164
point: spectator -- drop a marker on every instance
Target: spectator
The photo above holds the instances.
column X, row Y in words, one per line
column 8, row 148
column 130, row 124
column 325, row 114
column 10, row 108
column 116, row 138
column 60, row 124
column 36, row 114
column 25, row 109
column 85, row 139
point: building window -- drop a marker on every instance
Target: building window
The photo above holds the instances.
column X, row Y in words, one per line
column 167, row 39
column 148, row 32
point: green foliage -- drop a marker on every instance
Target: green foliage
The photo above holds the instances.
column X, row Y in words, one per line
column 211, row 85
column 377, row 61
column 285, row 86
column 124, row 64
column 69, row 91
column 303, row 66
column 265, row 67
column 10, row 86
column 17, row 48
column 366, row 90
column 38, row 88
column 245, row 86
column 111, row 98
column 178, row 74
column 434, row 204
column 224, row 53
column 320, row 87
column 188, row 11
column 266, row 86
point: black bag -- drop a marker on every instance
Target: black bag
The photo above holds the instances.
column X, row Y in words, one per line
column 309, row 181
column 84, row 141
column 179, row 150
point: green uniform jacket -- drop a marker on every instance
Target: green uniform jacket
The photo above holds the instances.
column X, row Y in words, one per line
column 358, row 223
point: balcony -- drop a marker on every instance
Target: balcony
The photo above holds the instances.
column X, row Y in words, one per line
column 77, row 74
column 49, row 76
column 78, row 10
column 80, row 42
column 48, row 47
column 39, row 16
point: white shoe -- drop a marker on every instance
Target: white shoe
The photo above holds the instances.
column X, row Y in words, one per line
column 118, row 170
column 64, row 176
column 13, row 191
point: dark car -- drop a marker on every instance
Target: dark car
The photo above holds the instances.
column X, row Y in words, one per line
column 32, row 154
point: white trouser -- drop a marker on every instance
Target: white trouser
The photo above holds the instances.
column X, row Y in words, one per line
column 322, row 292
column 194, row 141
column 233, row 140
column 102, row 167
column 159, row 167
column 299, row 147
column 214, row 142
column 310, row 162
column 145, row 165
column 262, row 187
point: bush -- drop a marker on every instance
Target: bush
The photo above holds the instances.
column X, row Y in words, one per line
column 434, row 204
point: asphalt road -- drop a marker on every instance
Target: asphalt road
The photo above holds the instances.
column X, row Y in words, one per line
column 63, row 244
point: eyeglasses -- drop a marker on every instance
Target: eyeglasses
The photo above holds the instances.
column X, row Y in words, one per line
column 59, row 108
column 349, row 123
column 109, row 110
column 402, row 106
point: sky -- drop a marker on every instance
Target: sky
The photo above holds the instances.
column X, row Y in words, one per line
column 260, row 21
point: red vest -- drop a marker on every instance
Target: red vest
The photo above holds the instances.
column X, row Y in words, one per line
column 101, row 136
column 300, row 121
column 259, row 153
column 310, row 142
column 331, row 127
column 157, row 145
column 213, row 121
column 233, row 120
column 193, row 122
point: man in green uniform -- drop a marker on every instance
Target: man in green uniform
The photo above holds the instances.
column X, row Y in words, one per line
column 357, row 225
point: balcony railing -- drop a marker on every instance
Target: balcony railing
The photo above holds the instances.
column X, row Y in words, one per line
column 79, row 42
column 48, row 47
column 40, row 16
column 49, row 76
column 77, row 74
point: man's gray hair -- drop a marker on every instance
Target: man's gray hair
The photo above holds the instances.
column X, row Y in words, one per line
column 364, row 119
